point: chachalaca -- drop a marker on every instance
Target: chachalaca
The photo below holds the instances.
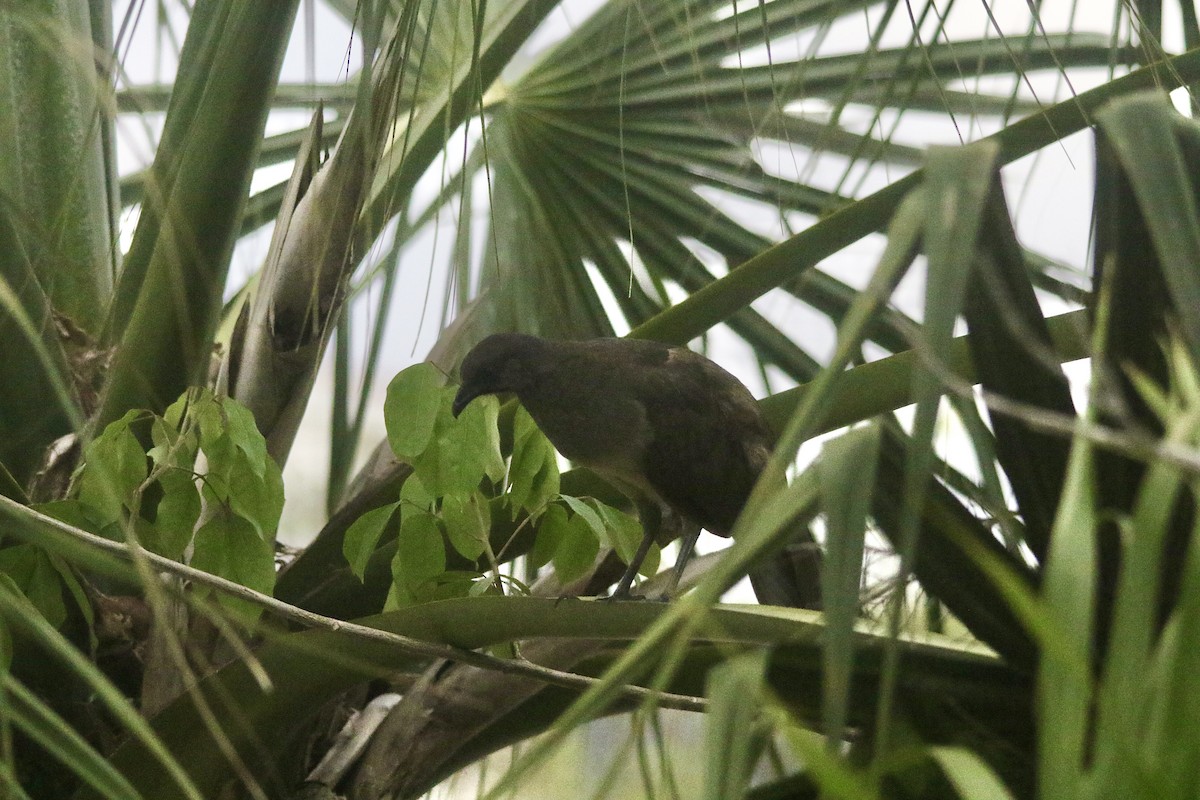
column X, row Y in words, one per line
column 664, row 420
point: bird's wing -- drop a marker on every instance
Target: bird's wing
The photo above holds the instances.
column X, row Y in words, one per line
column 709, row 441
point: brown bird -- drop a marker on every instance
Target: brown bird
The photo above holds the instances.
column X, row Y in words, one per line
column 662, row 419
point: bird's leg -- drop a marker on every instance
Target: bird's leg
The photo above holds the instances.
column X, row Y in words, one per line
column 687, row 543
column 650, row 515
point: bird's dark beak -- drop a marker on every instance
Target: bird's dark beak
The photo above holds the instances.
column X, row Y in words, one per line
column 462, row 399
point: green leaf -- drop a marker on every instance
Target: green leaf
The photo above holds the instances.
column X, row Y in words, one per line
column 240, row 472
column 552, row 527
column 547, row 484
column 10, row 487
column 413, row 493
column 175, row 440
column 75, row 590
column 958, row 181
column 1143, row 131
column 533, row 473
column 455, row 584
column 649, row 565
column 6, row 646
column 524, row 428
column 358, row 545
column 76, row 513
column 479, row 436
column 468, row 520
column 218, row 447
column 846, row 471
column 488, row 584
column 970, row 774
column 229, row 546
column 411, row 408
column 589, row 515
column 257, row 497
column 80, row 516
column 462, row 453
column 175, row 413
column 622, row 531
column 172, row 447
column 244, row 434
column 735, row 733
column 1064, row 680
column 1126, row 697
column 35, row 575
column 420, row 554
column 177, row 513
column 576, row 553
column 114, row 467
column 1171, row 748
column 204, row 408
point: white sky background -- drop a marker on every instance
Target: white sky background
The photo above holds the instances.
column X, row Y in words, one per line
column 1049, row 193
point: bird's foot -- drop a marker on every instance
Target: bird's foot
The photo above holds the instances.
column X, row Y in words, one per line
column 630, row 596
column 624, row 591
column 646, row 591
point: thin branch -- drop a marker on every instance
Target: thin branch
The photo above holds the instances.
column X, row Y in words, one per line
column 416, row 647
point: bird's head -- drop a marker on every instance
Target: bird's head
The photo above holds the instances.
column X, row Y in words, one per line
column 502, row 362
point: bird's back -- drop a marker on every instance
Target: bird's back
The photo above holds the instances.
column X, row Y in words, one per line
column 662, row 418
column 710, row 443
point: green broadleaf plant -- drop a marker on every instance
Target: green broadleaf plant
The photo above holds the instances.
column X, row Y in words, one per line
column 459, row 476
column 156, row 495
